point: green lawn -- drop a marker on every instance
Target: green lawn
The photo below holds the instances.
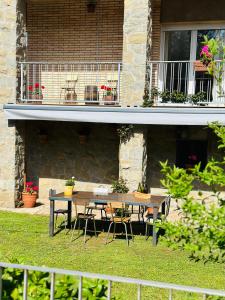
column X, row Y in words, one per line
column 25, row 237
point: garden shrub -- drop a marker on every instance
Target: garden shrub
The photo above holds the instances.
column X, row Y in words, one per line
column 201, row 228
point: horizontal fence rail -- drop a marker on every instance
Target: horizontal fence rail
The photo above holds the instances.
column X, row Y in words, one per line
column 138, row 282
column 184, row 82
column 70, row 83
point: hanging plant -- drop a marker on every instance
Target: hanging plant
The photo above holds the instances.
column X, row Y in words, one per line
column 125, row 132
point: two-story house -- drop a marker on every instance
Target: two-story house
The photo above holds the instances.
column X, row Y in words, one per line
column 73, row 71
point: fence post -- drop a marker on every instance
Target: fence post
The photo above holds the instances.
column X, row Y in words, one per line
column 25, row 284
column 52, row 290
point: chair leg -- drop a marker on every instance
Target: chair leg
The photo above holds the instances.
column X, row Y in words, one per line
column 125, row 226
column 85, row 230
column 74, row 227
column 114, row 230
column 95, row 227
column 56, row 218
column 108, row 232
column 78, row 226
column 146, row 231
column 131, row 231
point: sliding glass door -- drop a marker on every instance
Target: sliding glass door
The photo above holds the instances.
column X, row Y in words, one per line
column 181, row 71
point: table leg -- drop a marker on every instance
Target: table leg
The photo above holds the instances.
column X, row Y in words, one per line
column 154, row 233
column 69, row 216
column 51, row 222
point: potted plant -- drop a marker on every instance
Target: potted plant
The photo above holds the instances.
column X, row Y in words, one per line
column 29, row 194
column 119, row 186
column 109, row 95
column 35, row 93
column 69, row 186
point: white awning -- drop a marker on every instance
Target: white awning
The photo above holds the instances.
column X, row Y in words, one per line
column 134, row 115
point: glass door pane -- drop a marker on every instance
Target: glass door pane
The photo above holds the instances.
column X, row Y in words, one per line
column 176, row 71
column 204, row 81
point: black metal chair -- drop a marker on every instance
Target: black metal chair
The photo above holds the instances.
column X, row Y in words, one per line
column 83, row 216
column 99, row 206
column 57, row 212
column 161, row 215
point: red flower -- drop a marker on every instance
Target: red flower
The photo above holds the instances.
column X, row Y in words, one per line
column 35, row 188
column 28, row 189
column 30, row 88
column 37, row 85
column 29, row 183
column 108, row 89
column 42, row 87
column 103, row 87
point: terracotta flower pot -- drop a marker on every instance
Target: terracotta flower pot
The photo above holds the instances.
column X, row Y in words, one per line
column 35, row 97
column 68, row 190
column 109, row 100
column 29, row 200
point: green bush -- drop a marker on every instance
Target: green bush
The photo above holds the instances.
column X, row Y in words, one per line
column 201, row 228
column 66, row 287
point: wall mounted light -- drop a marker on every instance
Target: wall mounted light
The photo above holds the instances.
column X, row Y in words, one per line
column 91, row 5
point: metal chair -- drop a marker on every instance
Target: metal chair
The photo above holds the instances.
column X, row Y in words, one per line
column 139, row 211
column 99, row 206
column 68, row 92
column 60, row 211
column 119, row 215
column 161, row 215
column 83, row 216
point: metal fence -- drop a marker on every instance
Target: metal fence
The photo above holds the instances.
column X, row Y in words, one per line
column 70, row 83
column 110, row 279
column 185, row 82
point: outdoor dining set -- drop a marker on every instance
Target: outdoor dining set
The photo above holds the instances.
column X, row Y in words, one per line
column 114, row 208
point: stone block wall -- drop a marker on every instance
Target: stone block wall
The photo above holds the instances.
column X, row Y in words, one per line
column 7, row 94
column 62, row 155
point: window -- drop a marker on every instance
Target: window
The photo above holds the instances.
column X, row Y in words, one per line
column 191, row 152
column 180, row 48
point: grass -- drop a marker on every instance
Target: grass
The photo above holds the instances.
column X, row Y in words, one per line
column 25, row 237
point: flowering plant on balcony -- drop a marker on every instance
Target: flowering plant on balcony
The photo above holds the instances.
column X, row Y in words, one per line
column 108, row 91
column 36, row 90
column 213, row 57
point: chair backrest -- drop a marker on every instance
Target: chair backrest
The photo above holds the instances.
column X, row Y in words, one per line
column 52, row 192
column 85, row 206
column 117, row 209
column 167, row 206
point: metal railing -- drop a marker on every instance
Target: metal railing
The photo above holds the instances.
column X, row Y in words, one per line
column 70, row 83
column 110, row 279
column 184, row 82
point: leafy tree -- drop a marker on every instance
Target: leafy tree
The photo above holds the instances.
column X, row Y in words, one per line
column 201, row 228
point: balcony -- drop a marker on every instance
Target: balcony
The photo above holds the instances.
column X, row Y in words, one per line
column 183, row 83
column 70, row 83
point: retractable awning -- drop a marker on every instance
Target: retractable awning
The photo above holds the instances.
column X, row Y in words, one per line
column 134, row 115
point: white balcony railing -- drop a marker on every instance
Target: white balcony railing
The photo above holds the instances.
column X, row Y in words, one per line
column 70, row 83
column 184, row 83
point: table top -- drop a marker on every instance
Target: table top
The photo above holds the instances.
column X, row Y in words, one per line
column 82, row 197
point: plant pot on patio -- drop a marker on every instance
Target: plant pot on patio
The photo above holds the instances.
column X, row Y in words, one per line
column 29, row 200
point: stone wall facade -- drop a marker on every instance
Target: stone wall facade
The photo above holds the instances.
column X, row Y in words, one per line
column 7, row 94
column 54, row 153
column 134, row 51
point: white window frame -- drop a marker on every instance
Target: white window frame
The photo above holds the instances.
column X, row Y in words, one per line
column 193, row 27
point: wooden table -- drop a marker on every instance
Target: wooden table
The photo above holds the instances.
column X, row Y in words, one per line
column 84, row 198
